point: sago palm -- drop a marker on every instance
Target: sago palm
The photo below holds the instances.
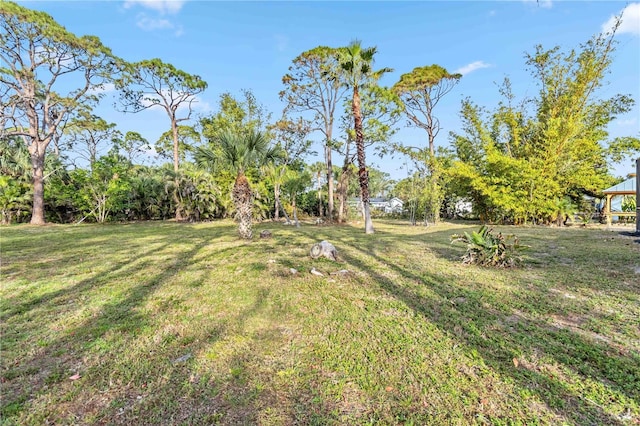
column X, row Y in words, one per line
column 238, row 153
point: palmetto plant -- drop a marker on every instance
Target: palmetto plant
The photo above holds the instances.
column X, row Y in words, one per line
column 239, row 153
column 194, row 192
column 147, row 198
column 486, row 248
column 15, row 178
column 563, row 210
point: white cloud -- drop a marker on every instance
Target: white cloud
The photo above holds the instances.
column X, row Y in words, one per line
column 151, row 24
column 200, row 105
column 163, row 6
column 104, row 88
column 473, row 66
column 630, row 20
column 629, row 122
column 157, row 18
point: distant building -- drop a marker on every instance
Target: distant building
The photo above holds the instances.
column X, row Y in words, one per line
column 463, row 208
column 393, row 205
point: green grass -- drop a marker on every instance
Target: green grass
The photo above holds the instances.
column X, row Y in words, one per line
column 182, row 324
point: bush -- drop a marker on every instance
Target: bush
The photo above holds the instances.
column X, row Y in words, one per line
column 488, row 249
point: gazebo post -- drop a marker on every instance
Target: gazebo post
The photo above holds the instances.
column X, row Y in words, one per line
column 638, row 196
column 627, row 188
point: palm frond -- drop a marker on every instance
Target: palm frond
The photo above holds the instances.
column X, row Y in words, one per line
column 206, row 158
column 368, row 53
column 379, row 73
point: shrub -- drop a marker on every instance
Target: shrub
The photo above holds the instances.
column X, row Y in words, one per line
column 489, row 249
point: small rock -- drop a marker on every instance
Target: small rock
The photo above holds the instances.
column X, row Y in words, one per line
column 314, row 271
column 182, row 358
column 626, row 416
column 341, row 272
column 271, row 261
column 293, row 271
column 265, row 234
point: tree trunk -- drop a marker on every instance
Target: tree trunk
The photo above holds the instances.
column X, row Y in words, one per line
column 295, row 212
column 327, row 154
column 242, row 201
column 412, row 216
column 276, row 196
column 342, row 202
column 174, row 132
column 320, row 212
column 363, row 175
column 431, row 130
column 37, row 164
column 368, row 223
column 343, row 186
column 178, row 200
column 284, row 212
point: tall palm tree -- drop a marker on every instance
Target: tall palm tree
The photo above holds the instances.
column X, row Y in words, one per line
column 239, row 152
column 357, row 64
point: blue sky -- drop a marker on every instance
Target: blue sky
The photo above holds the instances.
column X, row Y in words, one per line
column 250, row 45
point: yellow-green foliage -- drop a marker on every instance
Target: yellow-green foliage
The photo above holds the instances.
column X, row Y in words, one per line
column 516, row 161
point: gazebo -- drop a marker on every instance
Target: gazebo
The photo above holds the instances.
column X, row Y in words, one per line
column 614, row 196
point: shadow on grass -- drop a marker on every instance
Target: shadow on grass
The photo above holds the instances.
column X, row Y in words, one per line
column 484, row 331
column 191, row 395
column 163, row 376
column 63, row 255
column 140, row 359
column 118, row 316
column 631, row 235
column 51, row 362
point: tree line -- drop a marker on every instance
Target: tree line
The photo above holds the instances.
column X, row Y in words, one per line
column 523, row 162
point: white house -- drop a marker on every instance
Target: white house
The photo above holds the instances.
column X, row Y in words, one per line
column 393, row 205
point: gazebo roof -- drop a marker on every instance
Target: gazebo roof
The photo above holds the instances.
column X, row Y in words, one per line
column 626, row 187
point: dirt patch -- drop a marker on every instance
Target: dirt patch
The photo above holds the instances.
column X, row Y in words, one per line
column 574, row 323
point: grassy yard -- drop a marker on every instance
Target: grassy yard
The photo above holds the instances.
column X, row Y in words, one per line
column 166, row 323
